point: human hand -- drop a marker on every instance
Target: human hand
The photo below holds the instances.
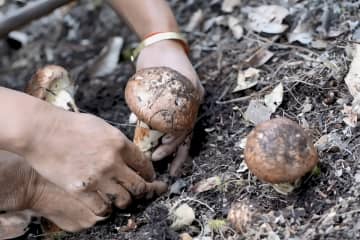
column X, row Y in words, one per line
column 90, row 159
column 28, row 194
column 169, row 53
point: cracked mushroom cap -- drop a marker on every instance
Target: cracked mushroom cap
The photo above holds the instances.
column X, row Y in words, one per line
column 45, row 81
column 163, row 98
column 279, row 151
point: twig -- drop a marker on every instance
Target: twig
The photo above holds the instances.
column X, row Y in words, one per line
column 245, row 98
column 191, row 200
column 29, row 13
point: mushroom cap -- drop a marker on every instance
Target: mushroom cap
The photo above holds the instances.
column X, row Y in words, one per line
column 46, row 81
column 279, row 151
column 163, row 98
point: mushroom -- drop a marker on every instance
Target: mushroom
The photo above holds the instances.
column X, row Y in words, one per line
column 53, row 84
column 164, row 101
column 279, row 151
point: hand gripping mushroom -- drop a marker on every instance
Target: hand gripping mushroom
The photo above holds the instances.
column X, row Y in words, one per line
column 52, row 84
column 164, row 101
column 279, row 151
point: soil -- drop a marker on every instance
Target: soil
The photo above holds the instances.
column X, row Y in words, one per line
column 326, row 206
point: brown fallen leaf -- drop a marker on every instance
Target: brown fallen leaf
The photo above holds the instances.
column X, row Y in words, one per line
column 246, row 79
column 206, row 184
column 257, row 112
column 274, row 99
column 259, row 58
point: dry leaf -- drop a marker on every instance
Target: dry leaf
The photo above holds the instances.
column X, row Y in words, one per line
column 303, row 32
column 107, row 61
column 229, row 5
column 206, row 184
column 257, row 112
column 182, row 216
column 247, row 79
column 235, row 27
column 260, row 57
column 267, row 18
column 195, row 21
column 275, row 98
column 352, row 79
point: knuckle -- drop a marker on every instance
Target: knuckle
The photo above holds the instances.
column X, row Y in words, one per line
column 139, row 189
column 123, row 201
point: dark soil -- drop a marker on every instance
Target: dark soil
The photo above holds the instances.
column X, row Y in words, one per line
column 326, row 206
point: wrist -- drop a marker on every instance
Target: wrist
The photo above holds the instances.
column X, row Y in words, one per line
column 164, row 47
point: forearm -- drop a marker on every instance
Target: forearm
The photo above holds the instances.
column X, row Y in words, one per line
column 19, row 119
column 146, row 16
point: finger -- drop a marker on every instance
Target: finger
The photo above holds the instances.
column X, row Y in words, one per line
column 168, row 138
column 156, row 188
column 136, row 160
column 117, row 193
column 67, row 211
column 182, row 155
column 136, row 185
column 166, row 149
column 14, row 224
column 96, row 201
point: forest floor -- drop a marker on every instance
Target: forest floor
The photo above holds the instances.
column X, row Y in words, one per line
column 310, row 57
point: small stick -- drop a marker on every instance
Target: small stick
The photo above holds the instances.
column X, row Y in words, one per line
column 28, row 13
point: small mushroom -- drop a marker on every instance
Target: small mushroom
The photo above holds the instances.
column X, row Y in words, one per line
column 53, row 84
column 279, row 151
column 164, row 101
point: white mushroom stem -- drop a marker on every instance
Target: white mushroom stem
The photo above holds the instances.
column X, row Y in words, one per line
column 145, row 137
column 63, row 99
column 61, row 94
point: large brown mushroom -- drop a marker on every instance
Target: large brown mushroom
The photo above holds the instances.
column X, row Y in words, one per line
column 279, row 151
column 164, row 101
column 53, row 84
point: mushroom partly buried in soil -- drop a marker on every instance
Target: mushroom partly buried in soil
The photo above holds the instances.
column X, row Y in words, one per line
column 279, row 151
column 164, row 101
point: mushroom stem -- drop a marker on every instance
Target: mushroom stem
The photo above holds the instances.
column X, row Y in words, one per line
column 145, row 137
column 63, row 99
